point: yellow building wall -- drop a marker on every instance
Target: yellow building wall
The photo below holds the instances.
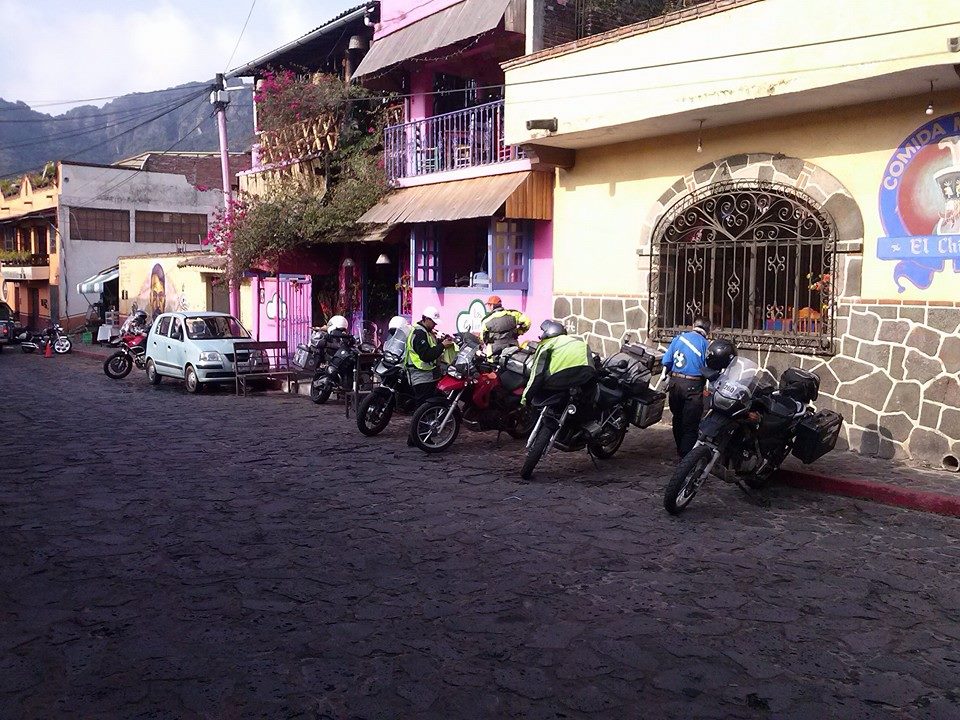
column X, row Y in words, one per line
column 156, row 284
column 602, row 203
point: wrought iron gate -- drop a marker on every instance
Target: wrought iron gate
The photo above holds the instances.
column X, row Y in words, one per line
column 754, row 258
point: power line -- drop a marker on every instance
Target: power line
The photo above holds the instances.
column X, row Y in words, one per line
column 33, row 104
column 94, row 116
column 128, row 130
column 242, row 30
column 90, row 130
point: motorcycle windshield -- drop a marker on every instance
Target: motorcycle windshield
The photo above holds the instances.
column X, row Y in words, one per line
column 737, row 384
column 395, row 346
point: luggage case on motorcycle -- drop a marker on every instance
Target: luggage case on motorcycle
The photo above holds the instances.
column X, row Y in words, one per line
column 647, row 408
column 632, row 370
column 651, row 358
column 306, row 358
column 515, row 367
column 817, row 435
column 800, row 384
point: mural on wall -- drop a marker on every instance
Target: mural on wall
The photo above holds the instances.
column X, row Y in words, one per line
column 159, row 294
column 920, row 205
column 469, row 320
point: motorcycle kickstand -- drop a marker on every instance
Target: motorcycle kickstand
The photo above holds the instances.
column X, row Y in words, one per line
column 752, row 496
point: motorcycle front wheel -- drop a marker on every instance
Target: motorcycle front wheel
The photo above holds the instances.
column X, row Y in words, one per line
column 62, row 345
column 425, row 428
column 374, row 414
column 117, row 366
column 320, row 389
column 686, row 480
column 536, row 449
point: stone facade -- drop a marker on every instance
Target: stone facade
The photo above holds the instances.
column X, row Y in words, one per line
column 893, row 371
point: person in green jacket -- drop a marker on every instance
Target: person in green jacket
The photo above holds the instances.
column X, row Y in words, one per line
column 560, row 362
column 501, row 328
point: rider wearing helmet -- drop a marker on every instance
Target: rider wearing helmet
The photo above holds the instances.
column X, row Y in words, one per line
column 684, row 361
column 397, row 322
column 424, row 349
column 560, row 362
column 501, row 328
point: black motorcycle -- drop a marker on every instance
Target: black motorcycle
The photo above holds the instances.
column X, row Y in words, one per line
column 750, row 429
column 394, row 391
column 596, row 415
column 33, row 340
column 338, row 373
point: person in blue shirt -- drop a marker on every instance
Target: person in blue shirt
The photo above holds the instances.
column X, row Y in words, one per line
column 683, row 363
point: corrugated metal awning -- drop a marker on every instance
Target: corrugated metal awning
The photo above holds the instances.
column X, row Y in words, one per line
column 362, row 234
column 458, row 22
column 94, row 285
column 454, row 200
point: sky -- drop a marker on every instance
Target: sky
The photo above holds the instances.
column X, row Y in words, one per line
column 68, row 50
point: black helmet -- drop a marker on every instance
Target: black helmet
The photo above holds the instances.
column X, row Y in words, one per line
column 701, row 323
column 720, row 353
column 551, row 328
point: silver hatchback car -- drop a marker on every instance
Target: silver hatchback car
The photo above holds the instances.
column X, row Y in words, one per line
column 197, row 347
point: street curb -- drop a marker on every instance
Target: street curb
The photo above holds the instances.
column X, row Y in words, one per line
column 924, row 500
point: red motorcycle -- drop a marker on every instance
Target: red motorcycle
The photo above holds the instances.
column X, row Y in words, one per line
column 133, row 348
column 471, row 393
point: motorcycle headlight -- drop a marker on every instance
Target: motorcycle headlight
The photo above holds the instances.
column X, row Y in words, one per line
column 453, row 372
column 391, row 358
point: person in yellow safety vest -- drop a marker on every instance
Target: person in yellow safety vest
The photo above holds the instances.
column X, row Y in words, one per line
column 560, row 362
column 501, row 328
column 424, row 350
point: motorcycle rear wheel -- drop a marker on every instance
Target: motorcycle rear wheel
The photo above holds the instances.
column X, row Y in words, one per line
column 426, row 420
column 684, row 483
column 522, row 423
column 320, row 389
column 374, row 414
column 26, row 348
column 117, row 366
column 609, row 449
column 538, row 446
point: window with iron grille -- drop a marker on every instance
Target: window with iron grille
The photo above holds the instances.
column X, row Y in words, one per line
column 99, row 224
column 754, row 258
column 9, row 238
column 161, row 227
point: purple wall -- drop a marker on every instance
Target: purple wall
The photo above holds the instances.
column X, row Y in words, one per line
column 537, row 302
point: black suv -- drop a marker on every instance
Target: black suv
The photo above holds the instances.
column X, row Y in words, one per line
column 9, row 328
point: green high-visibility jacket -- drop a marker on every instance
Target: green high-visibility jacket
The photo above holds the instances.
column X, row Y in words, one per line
column 413, row 358
column 565, row 352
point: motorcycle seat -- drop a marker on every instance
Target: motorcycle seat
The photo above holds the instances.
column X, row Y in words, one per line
column 782, row 406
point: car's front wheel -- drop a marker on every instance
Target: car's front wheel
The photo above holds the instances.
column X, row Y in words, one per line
column 191, row 380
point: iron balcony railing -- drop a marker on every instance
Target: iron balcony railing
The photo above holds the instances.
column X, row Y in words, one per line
column 461, row 139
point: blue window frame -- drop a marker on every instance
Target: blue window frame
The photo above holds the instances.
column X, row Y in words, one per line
column 511, row 243
column 426, row 256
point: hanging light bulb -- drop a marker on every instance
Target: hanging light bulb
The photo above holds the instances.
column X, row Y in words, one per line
column 929, row 109
column 700, row 138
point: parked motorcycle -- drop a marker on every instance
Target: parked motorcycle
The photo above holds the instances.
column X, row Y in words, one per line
column 337, row 374
column 394, row 391
column 33, row 340
column 132, row 352
column 596, row 416
column 471, row 393
column 750, row 429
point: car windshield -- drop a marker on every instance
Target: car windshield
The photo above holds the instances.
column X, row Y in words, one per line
column 214, row 327
column 5, row 312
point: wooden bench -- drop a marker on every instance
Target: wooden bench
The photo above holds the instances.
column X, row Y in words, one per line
column 279, row 368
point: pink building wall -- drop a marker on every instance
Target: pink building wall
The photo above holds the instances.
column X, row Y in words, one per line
column 396, row 14
column 536, row 302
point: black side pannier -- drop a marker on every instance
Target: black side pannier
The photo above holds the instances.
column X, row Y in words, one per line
column 647, row 408
column 800, row 384
column 817, row 435
column 650, row 357
column 516, row 365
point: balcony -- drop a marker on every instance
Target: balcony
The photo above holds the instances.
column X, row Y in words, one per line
column 24, row 266
column 452, row 141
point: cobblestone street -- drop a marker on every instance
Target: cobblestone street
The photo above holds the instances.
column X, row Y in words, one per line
column 173, row 556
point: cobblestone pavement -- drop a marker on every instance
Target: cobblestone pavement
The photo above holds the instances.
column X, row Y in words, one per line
column 170, row 556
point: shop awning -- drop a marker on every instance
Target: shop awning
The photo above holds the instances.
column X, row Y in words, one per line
column 458, row 22
column 526, row 195
column 94, row 285
column 362, row 234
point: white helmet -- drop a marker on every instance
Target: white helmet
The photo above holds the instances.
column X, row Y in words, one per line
column 431, row 313
column 338, row 322
column 397, row 322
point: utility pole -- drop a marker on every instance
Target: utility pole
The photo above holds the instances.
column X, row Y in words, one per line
column 219, row 99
